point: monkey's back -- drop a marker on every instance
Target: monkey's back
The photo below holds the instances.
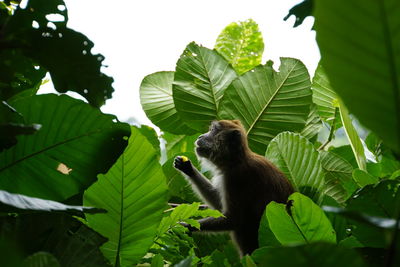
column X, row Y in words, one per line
column 249, row 187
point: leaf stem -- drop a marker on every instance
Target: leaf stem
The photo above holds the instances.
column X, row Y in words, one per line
column 331, row 132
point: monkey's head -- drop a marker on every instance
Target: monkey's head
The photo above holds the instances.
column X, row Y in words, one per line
column 225, row 141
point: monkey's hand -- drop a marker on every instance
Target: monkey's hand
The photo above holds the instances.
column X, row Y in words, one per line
column 184, row 165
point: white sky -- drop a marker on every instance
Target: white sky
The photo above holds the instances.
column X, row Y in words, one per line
column 138, row 38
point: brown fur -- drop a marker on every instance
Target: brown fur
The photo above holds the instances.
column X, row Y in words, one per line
column 248, row 183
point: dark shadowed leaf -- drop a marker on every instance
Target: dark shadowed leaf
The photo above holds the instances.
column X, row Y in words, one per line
column 65, row 53
column 381, row 200
column 18, row 73
column 41, row 259
column 75, row 143
column 12, row 125
column 317, row 254
column 76, row 68
column 66, row 238
column 359, row 44
column 300, row 11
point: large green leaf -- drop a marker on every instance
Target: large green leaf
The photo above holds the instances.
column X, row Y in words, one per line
column 338, row 176
column 352, row 135
column 317, row 254
column 362, row 178
column 325, row 98
column 176, row 144
column 313, row 124
column 299, row 221
column 297, row 158
column 381, row 200
column 157, row 102
column 41, row 259
column 20, row 203
column 359, row 43
column 269, row 102
column 134, row 193
column 201, row 77
column 75, row 143
column 65, row 237
column 241, row 44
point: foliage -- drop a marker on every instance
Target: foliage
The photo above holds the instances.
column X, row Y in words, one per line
column 129, row 232
column 362, row 60
column 52, row 148
column 300, row 11
column 300, row 221
column 241, row 44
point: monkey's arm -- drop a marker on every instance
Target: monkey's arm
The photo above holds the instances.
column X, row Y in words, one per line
column 212, row 224
column 202, row 184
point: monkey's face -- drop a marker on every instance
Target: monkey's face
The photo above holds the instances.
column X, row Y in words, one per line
column 205, row 143
column 221, row 142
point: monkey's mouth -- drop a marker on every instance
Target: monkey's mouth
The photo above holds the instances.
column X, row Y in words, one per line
column 202, row 151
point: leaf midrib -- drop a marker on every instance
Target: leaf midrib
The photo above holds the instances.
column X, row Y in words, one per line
column 269, row 101
column 121, row 216
column 208, row 78
column 49, row 148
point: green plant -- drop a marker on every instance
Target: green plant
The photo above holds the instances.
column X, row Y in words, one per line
column 80, row 188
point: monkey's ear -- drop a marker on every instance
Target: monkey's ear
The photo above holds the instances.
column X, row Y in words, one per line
column 237, row 122
column 234, row 136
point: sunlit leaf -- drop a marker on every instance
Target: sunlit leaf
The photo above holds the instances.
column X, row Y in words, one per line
column 134, row 193
column 325, row 98
column 353, row 137
column 241, row 44
column 300, row 221
column 363, row 178
column 313, row 124
column 73, row 135
column 157, row 102
column 269, row 102
column 297, row 158
column 200, row 80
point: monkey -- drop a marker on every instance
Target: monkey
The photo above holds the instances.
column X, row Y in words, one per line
column 243, row 183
